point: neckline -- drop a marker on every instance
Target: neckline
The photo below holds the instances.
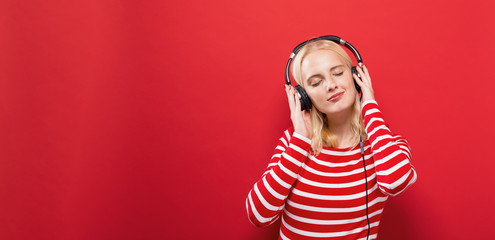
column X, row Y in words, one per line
column 347, row 149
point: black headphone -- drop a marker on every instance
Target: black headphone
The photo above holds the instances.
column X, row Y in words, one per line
column 305, row 101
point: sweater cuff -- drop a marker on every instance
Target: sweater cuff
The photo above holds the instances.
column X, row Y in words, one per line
column 301, row 142
column 368, row 104
column 301, row 137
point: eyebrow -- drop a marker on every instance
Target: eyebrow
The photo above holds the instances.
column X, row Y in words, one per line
column 319, row 75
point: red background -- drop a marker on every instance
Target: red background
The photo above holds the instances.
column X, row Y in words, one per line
column 153, row 119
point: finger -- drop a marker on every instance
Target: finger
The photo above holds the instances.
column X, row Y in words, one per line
column 364, row 75
column 298, row 102
column 296, row 99
column 287, row 91
column 360, row 71
column 291, row 98
column 365, row 69
column 358, row 80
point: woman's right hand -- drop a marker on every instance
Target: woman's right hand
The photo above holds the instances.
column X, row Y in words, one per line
column 301, row 120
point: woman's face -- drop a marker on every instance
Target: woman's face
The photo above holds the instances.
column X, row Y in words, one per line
column 328, row 82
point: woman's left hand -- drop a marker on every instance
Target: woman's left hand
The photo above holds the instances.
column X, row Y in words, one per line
column 364, row 83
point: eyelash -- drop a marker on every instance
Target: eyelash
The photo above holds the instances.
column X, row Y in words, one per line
column 319, row 81
column 316, row 83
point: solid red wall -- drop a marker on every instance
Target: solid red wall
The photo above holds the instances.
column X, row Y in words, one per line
column 153, row 119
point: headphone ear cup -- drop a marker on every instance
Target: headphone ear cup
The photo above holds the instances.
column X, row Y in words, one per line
column 305, row 101
column 358, row 88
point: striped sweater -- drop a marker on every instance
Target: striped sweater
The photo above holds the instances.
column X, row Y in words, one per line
column 324, row 196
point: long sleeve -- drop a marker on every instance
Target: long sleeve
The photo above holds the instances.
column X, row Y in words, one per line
column 391, row 153
column 267, row 197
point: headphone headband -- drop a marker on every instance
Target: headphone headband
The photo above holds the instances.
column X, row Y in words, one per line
column 332, row 38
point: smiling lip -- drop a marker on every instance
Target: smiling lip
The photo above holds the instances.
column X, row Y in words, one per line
column 336, row 97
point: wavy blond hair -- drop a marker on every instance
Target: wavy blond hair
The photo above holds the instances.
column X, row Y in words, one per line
column 322, row 135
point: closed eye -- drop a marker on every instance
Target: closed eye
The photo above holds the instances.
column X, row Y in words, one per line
column 314, row 84
column 338, row 74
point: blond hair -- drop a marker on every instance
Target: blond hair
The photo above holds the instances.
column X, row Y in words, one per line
column 322, row 135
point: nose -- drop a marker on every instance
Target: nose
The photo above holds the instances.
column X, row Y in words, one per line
column 331, row 85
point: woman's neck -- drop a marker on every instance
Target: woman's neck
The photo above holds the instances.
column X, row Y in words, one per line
column 341, row 126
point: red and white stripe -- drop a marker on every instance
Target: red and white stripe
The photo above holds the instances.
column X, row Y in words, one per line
column 324, row 196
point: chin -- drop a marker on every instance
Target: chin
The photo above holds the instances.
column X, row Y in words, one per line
column 338, row 111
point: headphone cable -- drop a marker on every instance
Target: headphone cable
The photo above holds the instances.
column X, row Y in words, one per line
column 366, row 184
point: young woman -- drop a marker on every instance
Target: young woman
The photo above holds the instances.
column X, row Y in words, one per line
column 315, row 180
